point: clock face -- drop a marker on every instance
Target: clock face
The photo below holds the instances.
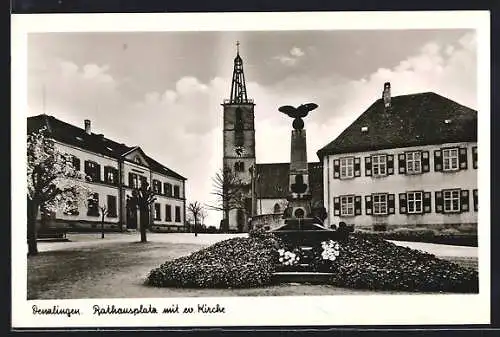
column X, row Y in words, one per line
column 239, row 150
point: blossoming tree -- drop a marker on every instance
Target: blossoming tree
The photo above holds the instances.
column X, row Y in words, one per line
column 53, row 183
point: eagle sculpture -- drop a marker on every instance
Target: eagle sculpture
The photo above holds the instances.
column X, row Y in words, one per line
column 298, row 113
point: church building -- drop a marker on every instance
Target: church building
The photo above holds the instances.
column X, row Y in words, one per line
column 265, row 186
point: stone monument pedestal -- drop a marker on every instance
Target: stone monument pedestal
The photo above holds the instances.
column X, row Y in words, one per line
column 301, row 233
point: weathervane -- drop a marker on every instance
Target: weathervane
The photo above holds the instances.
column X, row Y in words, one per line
column 298, row 113
column 238, row 47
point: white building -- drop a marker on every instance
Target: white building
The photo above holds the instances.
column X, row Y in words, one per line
column 114, row 170
column 406, row 161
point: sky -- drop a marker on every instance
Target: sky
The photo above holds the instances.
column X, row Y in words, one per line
column 163, row 91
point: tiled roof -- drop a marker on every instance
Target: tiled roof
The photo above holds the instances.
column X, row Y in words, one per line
column 97, row 143
column 413, row 120
column 273, row 180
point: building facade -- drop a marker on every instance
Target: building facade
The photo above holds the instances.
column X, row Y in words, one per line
column 112, row 171
column 406, row 161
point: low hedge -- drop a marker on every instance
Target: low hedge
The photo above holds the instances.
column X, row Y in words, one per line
column 427, row 236
column 232, row 263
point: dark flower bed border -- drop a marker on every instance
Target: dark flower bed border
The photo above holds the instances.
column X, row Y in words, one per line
column 469, row 240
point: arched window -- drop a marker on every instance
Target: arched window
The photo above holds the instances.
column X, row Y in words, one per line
column 277, row 208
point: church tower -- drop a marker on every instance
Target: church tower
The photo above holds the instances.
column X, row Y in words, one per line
column 239, row 143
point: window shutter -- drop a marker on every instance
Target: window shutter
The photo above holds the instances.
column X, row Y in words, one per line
column 76, row 163
column 438, row 161
column 474, row 157
column 402, row 203
column 474, row 196
column 368, row 204
column 402, row 163
column 336, row 169
column 336, row 206
column 427, row 207
column 391, row 204
column 438, row 195
column 462, row 158
column 368, row 166
column 425, row 161
column 357, row 167
column 390, row 164
column 87, row 166
column 131, row 180
column 357, row 205
column 464, row 200
column 98, row 172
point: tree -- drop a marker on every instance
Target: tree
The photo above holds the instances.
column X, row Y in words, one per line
column 104, row 211
column 53, row 182
column 229, row 192
column 141, row 199
column 203, row 216
column 195, row 209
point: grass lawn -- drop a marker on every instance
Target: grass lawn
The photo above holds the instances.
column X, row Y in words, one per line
column 117, row 267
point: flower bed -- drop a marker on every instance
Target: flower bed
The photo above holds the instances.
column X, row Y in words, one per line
column 366, row 263
column 233, row 263
column 377, row 264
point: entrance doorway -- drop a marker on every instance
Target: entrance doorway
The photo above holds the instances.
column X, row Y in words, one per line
column 133, row 217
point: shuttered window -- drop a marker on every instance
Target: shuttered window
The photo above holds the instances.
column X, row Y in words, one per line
column 380, row 204
column 379, row 165
column 168, row 213
column 157, row 211
column 415, row 202
column 474, row 196
column 452, row 201
column 168, row 189
column 347, row 205
column 111, row 203
column 413, row 162
column 347, row 168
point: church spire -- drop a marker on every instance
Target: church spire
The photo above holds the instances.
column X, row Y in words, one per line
column 238, row 86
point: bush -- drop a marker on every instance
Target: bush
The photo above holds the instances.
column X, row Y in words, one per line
column 377, row 264
column 233, row 263
column 423, row 235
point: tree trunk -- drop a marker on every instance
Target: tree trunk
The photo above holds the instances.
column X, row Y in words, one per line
column 226, row 222
column 102, row 226
column 195, row 228
column 32, row 230
column 144, row 219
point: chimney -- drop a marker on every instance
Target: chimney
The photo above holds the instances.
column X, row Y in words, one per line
column 386, row 95
column 87, row 127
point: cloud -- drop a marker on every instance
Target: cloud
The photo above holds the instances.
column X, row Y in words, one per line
column 296, row 51
column 292, row 58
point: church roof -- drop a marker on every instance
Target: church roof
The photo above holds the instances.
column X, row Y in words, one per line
column 273, row 180
column 97, row 143
column 413, row 120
